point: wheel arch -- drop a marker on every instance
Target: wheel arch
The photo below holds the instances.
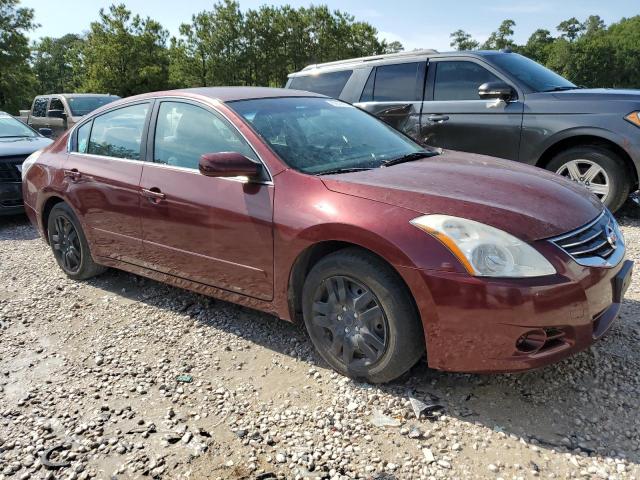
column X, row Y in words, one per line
column 47, row 206
column 587, row 139
column 310, row 256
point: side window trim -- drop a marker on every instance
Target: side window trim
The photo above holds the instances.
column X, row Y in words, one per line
column 144, row 135
column 151, row 125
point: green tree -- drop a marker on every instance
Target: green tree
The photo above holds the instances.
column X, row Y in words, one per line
column 537, row 47
column 461, row 40
column 593, row 24
column 58, row 64
column 16, row 79
column 570, row 29
column 501, row 38
column 125, row 54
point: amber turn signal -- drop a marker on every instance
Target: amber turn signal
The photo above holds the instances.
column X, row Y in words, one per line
column 634, row 117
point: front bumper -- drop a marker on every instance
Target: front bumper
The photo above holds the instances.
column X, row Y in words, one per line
column 507, row 325
column 11, row 198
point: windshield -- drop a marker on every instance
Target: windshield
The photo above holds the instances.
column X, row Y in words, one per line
column 10, row 127
column 532, row 74
column 318, row 135
column 82, row 105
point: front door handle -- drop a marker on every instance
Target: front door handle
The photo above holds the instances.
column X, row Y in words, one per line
column 73, row 174
column 153, row 194
column 438, row 118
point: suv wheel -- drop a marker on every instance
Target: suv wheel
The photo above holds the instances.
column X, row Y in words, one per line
column 361, row 318
column 69, row 244
column 599, row 169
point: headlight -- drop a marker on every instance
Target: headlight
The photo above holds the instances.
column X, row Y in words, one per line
column 483, row 250
column 29, row 161
column 633, row 117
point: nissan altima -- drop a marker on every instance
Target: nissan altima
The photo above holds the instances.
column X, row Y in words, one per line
column 313, row 210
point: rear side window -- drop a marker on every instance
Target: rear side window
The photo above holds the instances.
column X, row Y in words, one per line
column 119, row 133
column 40, row 107
column 403, row 82
column 329, row 84
column 460, row 80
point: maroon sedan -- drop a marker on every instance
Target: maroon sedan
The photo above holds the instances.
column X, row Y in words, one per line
column 309, row 208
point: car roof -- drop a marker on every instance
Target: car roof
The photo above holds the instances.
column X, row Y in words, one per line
column 231, row 94
column 412, row 55
column 67, row 95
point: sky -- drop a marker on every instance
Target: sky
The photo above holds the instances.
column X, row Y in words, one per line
column 415, row 23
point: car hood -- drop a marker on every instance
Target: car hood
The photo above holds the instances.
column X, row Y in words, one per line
column 14, row 146
column 526, row 201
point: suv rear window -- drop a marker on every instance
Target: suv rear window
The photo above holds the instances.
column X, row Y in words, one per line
column 403, row 82
column 330, row 84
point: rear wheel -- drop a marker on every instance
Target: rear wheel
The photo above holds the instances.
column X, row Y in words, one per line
column 599, row 169
column 69, row 244
column 361, row 318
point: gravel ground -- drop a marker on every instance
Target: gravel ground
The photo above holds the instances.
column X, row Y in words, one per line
column 93, row 368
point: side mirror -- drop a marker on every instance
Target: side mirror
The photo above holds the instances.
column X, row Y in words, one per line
column 47, row 132
column 228, row 164
column 57, row 114
column 496, row 90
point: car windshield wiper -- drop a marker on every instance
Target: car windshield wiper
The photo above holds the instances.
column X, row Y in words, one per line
column 15, row 136
column 411, row 157
column 562, row 89
column 343, row 170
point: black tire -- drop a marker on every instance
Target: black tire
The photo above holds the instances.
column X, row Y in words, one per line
column 396, row 325
column 619, row 178
column 70, row 248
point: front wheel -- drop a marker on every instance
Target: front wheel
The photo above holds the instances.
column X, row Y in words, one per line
column 599, row 169
column 69, row 244
column 361, row 317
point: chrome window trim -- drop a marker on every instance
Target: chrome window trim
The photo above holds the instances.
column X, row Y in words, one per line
column 171, row 167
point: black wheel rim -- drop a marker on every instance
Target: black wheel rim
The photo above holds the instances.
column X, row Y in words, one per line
column 349, row 322
column 66, row 244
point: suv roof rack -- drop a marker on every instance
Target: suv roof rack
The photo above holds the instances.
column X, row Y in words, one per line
column 372, row 58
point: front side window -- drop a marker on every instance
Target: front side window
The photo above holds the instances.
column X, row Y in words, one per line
column 56, row 104
column 399, row 83
column 185, row 132
column 119, row 133
column 40, row 107
column 318, row 135
column 460, row 80
column 329, row 84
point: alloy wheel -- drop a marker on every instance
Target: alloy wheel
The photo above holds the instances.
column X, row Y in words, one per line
column 349, row 322
column 66, row 244
column 589, row 174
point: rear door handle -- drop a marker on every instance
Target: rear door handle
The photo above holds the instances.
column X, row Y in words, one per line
column 73, row 174
column 153, row 194
column 438, row 118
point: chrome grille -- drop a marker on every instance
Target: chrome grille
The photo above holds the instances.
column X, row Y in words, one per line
column 597, row 244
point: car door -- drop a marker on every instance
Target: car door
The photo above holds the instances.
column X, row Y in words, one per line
column 103, row 173
column 454, row 116
column 394, row 94
column 55, row 121
column 215, row 231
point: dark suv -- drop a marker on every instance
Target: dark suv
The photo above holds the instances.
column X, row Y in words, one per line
column 496, row 103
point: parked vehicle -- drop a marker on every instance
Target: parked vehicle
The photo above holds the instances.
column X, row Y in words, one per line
column 17, row 142
column 496, row 103
column 58, row 112
column 308, row 208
